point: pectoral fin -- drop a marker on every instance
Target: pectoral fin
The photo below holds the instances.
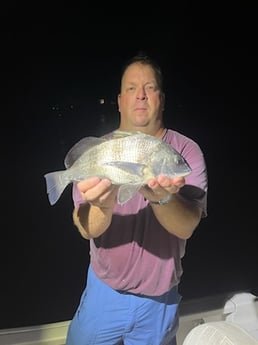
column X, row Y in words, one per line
column 129, row 167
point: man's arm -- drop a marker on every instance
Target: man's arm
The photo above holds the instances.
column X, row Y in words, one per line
column 90, row 220
column 178, row 216
column 93, row 217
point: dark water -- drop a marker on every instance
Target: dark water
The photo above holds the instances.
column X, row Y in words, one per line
column 55, row 86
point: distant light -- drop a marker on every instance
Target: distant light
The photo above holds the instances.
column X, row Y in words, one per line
column 55, row 107
column 101, row 100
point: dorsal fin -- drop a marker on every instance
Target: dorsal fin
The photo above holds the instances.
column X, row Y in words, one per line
column 79, row 148
column 121, row 134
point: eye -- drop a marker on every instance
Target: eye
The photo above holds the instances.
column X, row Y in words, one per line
column 177, row 159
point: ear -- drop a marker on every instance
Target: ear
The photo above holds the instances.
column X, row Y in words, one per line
column 118, row 101
column 163, row 101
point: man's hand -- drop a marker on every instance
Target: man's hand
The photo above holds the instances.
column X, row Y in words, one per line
column 161, row 187
column 98, row 192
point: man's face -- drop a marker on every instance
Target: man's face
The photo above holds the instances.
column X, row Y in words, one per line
column 140, row 101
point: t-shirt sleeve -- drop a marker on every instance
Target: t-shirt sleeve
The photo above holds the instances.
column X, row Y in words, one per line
column 196, row 186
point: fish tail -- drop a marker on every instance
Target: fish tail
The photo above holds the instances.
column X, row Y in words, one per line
column 56, row 184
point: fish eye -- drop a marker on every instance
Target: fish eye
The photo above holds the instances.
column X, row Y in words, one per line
column 178, row 159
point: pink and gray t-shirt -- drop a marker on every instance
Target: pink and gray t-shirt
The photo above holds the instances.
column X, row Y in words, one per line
column 136, row 254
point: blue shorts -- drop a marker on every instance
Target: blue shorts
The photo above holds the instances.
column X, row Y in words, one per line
column 109, row 317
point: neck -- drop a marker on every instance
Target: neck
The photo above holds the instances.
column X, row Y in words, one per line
column 161, row 132
column 158, row 132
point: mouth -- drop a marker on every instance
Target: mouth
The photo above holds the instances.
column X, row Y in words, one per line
column 140, row 109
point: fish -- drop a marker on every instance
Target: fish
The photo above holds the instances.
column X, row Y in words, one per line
column 127, row 158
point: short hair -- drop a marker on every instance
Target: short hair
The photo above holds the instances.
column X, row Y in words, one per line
column 144, row 59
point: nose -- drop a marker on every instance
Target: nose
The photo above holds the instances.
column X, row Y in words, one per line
column 141, row 94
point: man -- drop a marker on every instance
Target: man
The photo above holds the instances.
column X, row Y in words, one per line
column 131, row 296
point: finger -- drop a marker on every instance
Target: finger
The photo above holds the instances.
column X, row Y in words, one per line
column 167, row 182
column 105, row 200
column 97, row 190
column 87, row 184
column 84, row 185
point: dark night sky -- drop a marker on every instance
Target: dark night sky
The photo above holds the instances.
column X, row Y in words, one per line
column 54, row 81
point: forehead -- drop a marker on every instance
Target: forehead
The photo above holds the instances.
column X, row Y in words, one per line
column 138, row 71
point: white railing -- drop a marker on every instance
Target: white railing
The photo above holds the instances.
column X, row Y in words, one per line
column 49, row 334
column 238, row 309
